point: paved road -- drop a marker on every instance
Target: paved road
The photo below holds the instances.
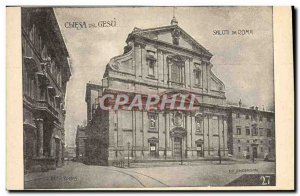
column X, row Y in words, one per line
column 78, row 175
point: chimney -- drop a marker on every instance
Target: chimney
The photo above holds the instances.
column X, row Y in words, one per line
column 240, row 103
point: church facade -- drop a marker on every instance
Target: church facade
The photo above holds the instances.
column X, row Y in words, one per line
column 164, row 60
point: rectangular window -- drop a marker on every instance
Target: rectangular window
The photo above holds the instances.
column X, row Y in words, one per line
column 29, row 84
column 238, row 131
column 254, row 131
column 261, row 131
column 238, row 115
column 176, row 72
column 151, row 65
column 239, row 148
column 198, row 77
column 51, row 99
column 247, row 131
column 247, row 116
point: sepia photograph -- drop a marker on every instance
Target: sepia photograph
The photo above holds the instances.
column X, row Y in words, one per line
column 150, row 98
column 181, row 97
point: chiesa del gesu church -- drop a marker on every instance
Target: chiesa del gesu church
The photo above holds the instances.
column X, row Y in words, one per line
column 168, row 61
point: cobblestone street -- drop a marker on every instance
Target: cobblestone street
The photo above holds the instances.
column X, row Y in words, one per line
column 205, row 173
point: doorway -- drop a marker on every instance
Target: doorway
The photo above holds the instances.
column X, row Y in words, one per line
column 152, row 150
column 177, row 147
column 57, row 150
column 255, row 152
column 199, row 150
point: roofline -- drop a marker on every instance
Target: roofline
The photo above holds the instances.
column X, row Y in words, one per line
column 172, row 26
column 247, row 108
column 59, row 34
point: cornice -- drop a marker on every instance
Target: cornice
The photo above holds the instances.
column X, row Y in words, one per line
column 140, row 39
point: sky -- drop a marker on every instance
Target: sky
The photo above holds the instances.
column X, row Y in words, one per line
column 243, row 63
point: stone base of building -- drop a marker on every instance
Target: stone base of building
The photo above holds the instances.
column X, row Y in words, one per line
column 116, row 157
column 42, row 164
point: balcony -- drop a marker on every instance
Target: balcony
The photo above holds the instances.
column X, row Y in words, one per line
column 43, row 105
column 43, row 79
column 30, row 65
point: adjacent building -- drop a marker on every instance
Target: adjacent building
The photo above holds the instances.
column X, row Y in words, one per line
column 251, row 132
column 46, row 71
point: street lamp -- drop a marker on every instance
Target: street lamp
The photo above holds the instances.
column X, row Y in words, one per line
column 128, row 153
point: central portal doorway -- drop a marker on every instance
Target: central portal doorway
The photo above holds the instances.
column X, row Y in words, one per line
column 177, row 147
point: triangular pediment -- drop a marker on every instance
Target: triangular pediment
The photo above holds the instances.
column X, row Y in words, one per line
column 172, row 35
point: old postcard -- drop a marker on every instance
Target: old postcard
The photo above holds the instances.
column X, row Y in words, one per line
column 150, row 98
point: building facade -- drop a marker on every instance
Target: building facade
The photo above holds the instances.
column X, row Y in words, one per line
column 46, row 71
column 164, row 60
column 80, row 143
column 251, row 133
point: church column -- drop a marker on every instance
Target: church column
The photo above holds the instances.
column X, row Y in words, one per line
column 143, row 130
column 142, row 59
column 137, row 60
column 191, row 72
column 169, row 71
column 187, row 137
column 160, row 67
column 206, row 77
column 132, row 134
column 40, row 136
column 209, row 76
column 223, row 135
column 192, row 136
column 208, row 135
column 133, row 115
column 135, row 66
column 168, row 145
column 158, row 134
column 117, row 124
column 166, row 141
column 219, row 138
